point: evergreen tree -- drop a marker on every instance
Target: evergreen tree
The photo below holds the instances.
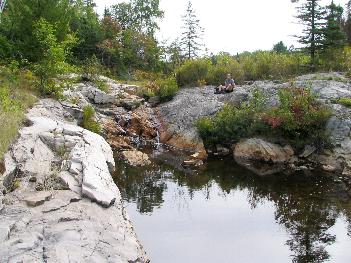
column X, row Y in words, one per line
column 334, row 37
column 192, row 34
column 311, row 16
column 347, row 22
column 174, row 54
column 280, row 47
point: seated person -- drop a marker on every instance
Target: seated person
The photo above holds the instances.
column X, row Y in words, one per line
column 229, row 85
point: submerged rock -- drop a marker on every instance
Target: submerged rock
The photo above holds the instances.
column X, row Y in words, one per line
column 136, row 158
column 260, row 150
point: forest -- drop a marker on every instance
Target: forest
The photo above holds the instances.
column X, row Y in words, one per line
column 123, row 43
column 41, row 41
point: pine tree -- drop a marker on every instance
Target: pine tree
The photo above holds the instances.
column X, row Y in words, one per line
column 347, row 22
column 280, row 47
column 191, row 36
column 174, row 54
column 311, row 16
column 334, row 37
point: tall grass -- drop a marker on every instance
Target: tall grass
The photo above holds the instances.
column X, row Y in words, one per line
column 16, row 96
column 258, row 65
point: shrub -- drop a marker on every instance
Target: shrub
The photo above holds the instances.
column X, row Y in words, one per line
column 54, row 53
column 91, row 69
column 347, row 61
column 218, row 72
column 192, row 71
column 89, row 122
column 232, row 123
column 140, row 75
column 333, row 59
column 297, row 115
column 272, row 65
column 344, row 101
column 5, row 48
column 164, row 88
column 167, row 88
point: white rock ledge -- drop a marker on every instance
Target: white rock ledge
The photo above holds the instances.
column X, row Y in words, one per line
column 66, row 206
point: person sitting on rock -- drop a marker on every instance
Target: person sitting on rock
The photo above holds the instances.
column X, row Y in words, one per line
column 229, row 85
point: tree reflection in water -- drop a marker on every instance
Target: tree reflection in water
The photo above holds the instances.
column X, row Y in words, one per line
column 307, row 207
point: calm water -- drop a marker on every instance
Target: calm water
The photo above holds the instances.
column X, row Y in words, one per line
column 224, row 213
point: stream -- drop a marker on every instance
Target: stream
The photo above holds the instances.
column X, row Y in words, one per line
column 225, row 213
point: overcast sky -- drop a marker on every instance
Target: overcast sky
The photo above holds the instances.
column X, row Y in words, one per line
column 232, row 25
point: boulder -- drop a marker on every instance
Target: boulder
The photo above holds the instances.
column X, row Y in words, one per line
column 178, row 117
column 259, row 150
column 136, row 158
column 96, row 95
column 129, row 102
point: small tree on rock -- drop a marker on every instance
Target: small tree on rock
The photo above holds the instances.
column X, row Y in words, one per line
column 54, row 54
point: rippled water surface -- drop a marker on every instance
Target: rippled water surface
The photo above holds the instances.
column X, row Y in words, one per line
column 224, row 213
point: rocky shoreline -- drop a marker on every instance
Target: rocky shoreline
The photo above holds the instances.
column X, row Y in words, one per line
column 58, row 201
column 189, row 105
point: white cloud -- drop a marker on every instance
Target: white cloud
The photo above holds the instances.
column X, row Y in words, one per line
column 233, row 25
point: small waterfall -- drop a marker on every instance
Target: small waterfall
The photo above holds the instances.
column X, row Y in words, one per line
column 158, row 143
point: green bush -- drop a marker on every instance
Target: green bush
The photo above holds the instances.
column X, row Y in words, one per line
column 54, row 54
column 167, row 88
column 217, row 73
column 232, row 123
column 272, row 65
column 164, row 88
column 292, row 121
column 5, row 48
column 192, row 71
column 89, row 122
column 333, row 59
column 299, row 113
column 344, row 101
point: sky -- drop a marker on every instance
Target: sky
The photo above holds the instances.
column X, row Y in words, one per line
column 232, row 26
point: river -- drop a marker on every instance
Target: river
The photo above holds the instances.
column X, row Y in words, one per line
column 225, row 213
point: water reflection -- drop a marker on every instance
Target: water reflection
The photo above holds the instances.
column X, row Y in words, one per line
column 307, row 207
